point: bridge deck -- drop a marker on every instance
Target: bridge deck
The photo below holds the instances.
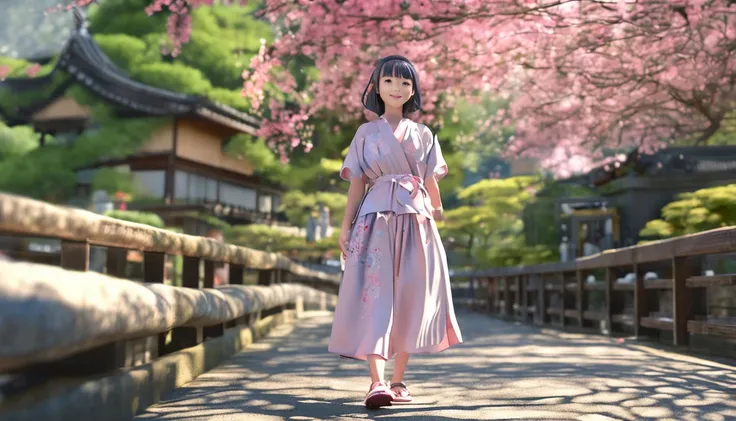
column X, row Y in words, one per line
column 503, row 371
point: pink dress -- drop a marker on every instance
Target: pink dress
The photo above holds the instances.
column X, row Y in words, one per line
column 395, row 292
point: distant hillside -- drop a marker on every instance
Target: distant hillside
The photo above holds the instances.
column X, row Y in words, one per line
column 27, row 32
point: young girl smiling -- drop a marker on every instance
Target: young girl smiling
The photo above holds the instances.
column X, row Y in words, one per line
column 395, row 297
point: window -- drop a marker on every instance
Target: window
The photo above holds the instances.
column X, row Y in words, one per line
column 264, row 203
column 194, row 187
column 180, row 185
column 151, row 183
column 237, row 196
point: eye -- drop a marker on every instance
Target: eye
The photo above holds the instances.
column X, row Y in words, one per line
column 387, row 80
column 407, row 84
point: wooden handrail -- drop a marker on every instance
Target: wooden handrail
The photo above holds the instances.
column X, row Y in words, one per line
column 71, row 317
column 527, row 293
column 720, row 240
column 26, row 216
column 48, row 313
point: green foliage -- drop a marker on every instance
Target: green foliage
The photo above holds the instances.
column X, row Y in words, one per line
column 146, row 218
column 125, row 51
column 488, row 227
column 113, row 180
column 125, row 17
column 173, row 76
column 16, row 141
column 273, row 239
column 693, row 212
column 298, row 205
column 204, row 53
column 42, row 173
column 48, row 173
column 9, row 101
column 464, row 130
column 540, row 222
column 232, row 98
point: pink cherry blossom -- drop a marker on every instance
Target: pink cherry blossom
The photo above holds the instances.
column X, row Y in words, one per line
column 33, row 70
column 581, row 76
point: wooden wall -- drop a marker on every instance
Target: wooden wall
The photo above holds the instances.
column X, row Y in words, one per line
column 202, row 141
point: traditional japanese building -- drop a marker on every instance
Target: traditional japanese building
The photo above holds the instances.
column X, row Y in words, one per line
column 182, row 166
column 632, row 191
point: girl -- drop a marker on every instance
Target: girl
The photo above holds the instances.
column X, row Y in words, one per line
column 395, row 297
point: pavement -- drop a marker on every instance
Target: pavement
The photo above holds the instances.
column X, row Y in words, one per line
column 503, row 371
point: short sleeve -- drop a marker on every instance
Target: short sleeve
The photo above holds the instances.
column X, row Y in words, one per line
column 351, row 166
column 436, row 164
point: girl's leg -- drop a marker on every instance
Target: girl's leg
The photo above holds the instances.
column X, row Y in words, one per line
column 376, row 365
column 402, row 358
column 401, row 393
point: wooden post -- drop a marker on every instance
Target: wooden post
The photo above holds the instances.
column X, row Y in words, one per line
column 519, row 293
column 186, row 337
column 154, row 271
column 75, row 255
column 490, row 305
column 561, row 277
column 265, row 277
column 217, row 330
column 682, row 300
column 610, row 279
column 117, row 262
column 581, row 297
column 235, row 277
column 640, row 303
column 542, row 300
column 525, row 298
column 507, row 306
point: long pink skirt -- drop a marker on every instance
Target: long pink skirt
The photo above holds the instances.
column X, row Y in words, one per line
column 395, row 293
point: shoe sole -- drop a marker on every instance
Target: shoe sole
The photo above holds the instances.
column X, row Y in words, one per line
column 378, row 400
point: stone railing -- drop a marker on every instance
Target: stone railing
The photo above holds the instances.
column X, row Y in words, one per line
column 70, row 319
column 651, row 290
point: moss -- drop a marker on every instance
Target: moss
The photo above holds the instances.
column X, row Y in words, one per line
column 146, row 218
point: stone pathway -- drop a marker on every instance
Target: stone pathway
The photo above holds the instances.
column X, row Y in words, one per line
column 503, row 371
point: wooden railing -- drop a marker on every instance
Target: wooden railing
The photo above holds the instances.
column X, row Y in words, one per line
column 78, row 319
column 561, row 293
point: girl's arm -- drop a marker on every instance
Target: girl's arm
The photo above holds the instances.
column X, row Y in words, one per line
column 355, row 195
column 433, row 188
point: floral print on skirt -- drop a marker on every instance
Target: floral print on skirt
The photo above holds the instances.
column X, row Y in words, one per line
column 395, row 293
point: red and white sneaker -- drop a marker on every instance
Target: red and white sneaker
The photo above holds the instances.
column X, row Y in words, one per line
column 379, row 395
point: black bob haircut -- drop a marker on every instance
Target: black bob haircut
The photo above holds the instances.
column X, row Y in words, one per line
column 396, row 66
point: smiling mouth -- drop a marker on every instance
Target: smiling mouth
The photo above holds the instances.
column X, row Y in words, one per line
column 395, row 97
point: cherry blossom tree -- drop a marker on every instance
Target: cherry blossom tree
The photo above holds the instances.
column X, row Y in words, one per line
column 582, row 77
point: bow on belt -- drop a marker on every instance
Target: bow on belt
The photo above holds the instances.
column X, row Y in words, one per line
column 411, row 183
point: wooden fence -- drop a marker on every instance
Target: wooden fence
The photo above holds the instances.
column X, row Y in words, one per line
column 81, row 320
column 562, row 294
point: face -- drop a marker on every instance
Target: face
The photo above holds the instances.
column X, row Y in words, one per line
column 395, row 91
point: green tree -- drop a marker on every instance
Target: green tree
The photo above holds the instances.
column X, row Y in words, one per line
column 16, row 141
column 488, row 226
column 693, row 212
column 298, row 205
column 274, row 239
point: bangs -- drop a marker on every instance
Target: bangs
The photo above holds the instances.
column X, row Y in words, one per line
column 398, row 68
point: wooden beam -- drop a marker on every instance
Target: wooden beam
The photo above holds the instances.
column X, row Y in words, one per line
column 170, row 179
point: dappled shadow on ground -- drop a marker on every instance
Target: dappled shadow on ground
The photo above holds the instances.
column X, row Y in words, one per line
column 503, row 371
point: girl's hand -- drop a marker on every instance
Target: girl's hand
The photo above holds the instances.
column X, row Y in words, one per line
column 343, row 241
column 438, row 214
